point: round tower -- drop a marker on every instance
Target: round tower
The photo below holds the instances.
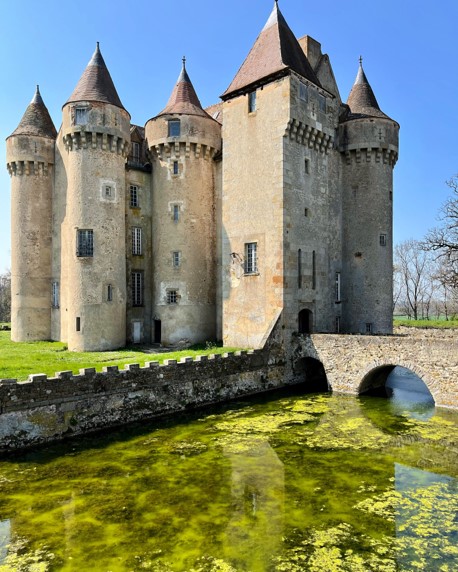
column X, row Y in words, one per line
column 182, row 141
column 368, row 141
column 94, row 142
column 30, row 161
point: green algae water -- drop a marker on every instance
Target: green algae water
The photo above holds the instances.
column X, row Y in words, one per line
column 290, row 483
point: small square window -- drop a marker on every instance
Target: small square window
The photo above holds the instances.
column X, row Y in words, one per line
column 134, row 202
column 322, row 103
column 175, row 168
column 109, row 293
column 368, row 328
column 80, row 115
column 176, row 258
column 382, row 240
column 108, row 191
column 176, row 213
column 306, row 212
column 174, row 128
column 85, row 243
column 172, row 296
column 303, row 94
column 307, row 166
column 252, row 102
column 251, row 259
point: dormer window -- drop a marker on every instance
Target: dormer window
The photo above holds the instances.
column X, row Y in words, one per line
column 135, row 152
column 174, row 128
column 252, row 102
column 80, row 115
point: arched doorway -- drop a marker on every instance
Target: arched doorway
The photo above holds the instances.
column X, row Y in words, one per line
column 305, row 321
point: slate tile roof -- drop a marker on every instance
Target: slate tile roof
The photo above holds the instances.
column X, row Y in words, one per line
column 96, row 84
column 36, row 120
column 275, row 51
column 362, row 101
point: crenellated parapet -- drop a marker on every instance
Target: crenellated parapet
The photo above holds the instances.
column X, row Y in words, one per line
column 79, row 139
column 309, row 136
column 371, row 155
column 27, row 168
column 182, row 149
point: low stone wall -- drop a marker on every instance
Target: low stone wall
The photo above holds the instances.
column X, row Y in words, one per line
column 48, row 409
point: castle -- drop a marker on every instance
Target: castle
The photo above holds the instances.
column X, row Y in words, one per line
column 273, row 207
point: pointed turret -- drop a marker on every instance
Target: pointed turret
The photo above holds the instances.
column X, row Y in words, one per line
column 362, row 101
column 36, row 119
column 275, row 51
column 183, row 99
column 96, row 84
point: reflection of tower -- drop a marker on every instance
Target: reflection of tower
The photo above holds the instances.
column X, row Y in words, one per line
column 369, row 145
column 93, row 143
column 183, row 140
column 30, row 159
column 255, row 530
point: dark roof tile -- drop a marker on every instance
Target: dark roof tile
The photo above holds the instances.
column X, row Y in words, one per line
column 36, row 120
column 362, row 101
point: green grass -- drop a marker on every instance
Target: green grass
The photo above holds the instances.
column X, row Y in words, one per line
column 445, row 324
column 19, row 359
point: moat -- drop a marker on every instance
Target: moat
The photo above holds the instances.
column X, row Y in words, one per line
column 285, row 483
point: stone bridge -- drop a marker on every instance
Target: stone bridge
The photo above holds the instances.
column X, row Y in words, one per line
column 356, row 364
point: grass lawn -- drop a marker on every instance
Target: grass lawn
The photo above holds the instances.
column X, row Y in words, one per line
column 19, row 359
column 425, row 323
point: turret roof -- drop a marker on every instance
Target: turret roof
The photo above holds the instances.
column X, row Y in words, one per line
column 184, row 98
column 96, row 84
column 36, row 119
column 276, row 50
column 362, row 101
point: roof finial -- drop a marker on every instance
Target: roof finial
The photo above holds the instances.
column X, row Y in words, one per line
column 361, row 61
column 184, row 61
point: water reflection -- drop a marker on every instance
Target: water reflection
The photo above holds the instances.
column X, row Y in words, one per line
column 316, row 482
column 410, row 393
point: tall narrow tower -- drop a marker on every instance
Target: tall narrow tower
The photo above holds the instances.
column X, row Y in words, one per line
column 93, row 142
column 368, row 141
column 30, row 161
column 183, row 140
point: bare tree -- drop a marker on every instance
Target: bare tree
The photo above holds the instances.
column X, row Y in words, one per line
column 5, row 297
column 444, row 239
column 413, row 265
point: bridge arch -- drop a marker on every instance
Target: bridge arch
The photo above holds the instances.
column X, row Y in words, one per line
column 374, row 377
column 311, row 373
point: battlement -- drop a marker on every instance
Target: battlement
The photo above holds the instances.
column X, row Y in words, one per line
column 19, row 168
column 182, row 149
column 371, row 155
column 79, row 139
column 311, row 137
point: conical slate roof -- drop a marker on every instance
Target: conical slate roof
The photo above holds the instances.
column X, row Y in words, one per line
column 275, row 50
column 184, row 99
column 36, row 119
column 96, row 84
column 362, row 101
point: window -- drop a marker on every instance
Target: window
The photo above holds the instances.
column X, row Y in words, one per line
column 176, row 213
column 174, row 128
column 135, row 152
column 108, row 191
column 176, row 258
column 306, row 166
column 251, row 259
column 55, row 295
column 368, row 328
column 322, row 102
column 337, row 324
column 172, row 296
column 252, row 102
column 175, row 168
column 78, row 324
column 306, row 212
column 134, row 202
column 382, row 240
column 137, row 288
column 303, row 92
column 136, row 241
column 337, row 286
column 109, row 293
column 80, row 115
column 299, row 268
column 85, row 242
column 313, row 270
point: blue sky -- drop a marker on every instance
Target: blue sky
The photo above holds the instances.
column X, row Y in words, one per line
column 410, row 58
